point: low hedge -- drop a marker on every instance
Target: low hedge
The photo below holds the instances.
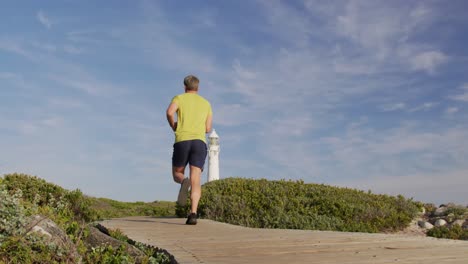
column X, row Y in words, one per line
column 454, row 232
column 297, row 205
column 22, row 196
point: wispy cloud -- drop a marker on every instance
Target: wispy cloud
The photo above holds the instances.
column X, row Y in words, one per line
column 428, row 61
column 45, row 46
column 451, row 110
column 8, row 75
column 73, row 49
column 416, row 185
column 424, row 107
column 462, row 96
column 85, row 36
column 393, row 107
column 62, row 71
column 14, row 46
column 44, row 19
column 87, row 83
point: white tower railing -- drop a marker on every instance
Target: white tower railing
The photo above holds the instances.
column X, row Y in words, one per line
column 213, row 156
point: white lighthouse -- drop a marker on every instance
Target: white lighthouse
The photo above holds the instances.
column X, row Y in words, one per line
column 213, row 156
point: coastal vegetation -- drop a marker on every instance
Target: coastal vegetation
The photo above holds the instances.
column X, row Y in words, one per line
column 298, row 205
column 27, row 201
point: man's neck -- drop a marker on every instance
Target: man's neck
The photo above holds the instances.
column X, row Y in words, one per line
column 191, row 91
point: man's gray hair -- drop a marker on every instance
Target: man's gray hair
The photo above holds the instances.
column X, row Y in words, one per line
column 191, row 83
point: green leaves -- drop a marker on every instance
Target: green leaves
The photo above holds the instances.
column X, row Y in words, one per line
column 296, row 205
column 22, row 196
column 454, row 232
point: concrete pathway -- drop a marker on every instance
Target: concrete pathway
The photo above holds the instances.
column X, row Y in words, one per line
column 213, row 242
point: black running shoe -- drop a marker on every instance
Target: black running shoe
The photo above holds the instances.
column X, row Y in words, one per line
column 191, row 219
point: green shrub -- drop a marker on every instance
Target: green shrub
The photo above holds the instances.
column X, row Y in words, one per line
column 454, row 232
column 22, row 196
column 12, row 212
column 459, row 212
column 296, row 205
column 109, row 255
column 33, row 188
column 108, row 208
column 16, row 244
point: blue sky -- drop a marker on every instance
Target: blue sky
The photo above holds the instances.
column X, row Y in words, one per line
column 362, row 94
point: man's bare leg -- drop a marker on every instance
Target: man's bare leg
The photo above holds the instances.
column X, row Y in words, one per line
column 195, row 175
column 178, row 174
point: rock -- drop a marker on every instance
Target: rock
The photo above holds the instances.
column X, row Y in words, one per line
column 425, row 224
column 450, row 217
column 440, row 211
column 54, row 235
column 41, row 231
column 97, row 238
column 440, row 222
column 459, row 222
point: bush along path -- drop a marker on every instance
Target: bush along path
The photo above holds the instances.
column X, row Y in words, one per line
column 297, row 205
column 43, row 223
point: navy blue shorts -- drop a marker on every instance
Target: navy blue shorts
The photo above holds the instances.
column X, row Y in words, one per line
column 191, row 152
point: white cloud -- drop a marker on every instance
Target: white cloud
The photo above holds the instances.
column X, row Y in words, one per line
column 285, row 22
column 52, row 122
column 14, row 46
column 436, row 187
column 242, row 72
column 428, row 61
column 72, row 75
column 393, row 107
column 8, row 75
column 381, row 35
column 45, row 21
column 379, row 27
column 85, row 36
column 68, row 103
column 353, row 68
column 34, row 126
column 424, row 107
column 233, row 115
column 72, row 49
column 463, row 96
column 45, row 46
column 366, row 158
column 451, row 110
column 162, row 44
column 205, row 18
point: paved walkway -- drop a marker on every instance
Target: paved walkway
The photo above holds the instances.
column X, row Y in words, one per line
column 213, row 242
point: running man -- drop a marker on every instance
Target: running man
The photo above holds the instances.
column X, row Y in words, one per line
column 194, row 119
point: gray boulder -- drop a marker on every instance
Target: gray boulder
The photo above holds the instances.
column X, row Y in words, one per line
column 459, row 222
column 440, row 211
column 97, row 238
column 54, row 236
column 440, row 222
column 425, row 224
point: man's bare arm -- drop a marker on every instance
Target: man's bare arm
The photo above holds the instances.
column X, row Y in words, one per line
column 209, row 121
column 170, row 112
